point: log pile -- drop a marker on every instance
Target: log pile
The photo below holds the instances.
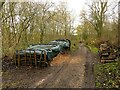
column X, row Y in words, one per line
column 107, row 53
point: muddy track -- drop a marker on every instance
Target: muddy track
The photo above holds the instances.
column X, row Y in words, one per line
column 69, row 74
column 54, row 76
column 89, row 71
column 67, row 71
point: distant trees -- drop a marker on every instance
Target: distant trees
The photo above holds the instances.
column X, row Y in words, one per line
column 24, row 23
column 97, row 16
column 85, row 30
column 101, row 19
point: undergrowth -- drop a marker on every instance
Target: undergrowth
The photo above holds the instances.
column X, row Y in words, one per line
column 107, row 75
column 92, row 48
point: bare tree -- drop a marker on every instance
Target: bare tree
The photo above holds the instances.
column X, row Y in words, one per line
column 97, row 16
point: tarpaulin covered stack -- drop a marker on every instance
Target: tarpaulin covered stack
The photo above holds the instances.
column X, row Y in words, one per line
column 41, row 54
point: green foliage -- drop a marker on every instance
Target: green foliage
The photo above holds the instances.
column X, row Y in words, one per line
column 85, row 35
column 74, row 46
column 107, row 75
column 92, row 48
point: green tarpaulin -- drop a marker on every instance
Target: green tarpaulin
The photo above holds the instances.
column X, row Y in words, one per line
column 51, row 50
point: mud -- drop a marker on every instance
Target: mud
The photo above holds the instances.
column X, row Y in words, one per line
column 69, row 70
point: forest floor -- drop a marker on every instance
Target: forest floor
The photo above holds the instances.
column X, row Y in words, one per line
column 69, row 70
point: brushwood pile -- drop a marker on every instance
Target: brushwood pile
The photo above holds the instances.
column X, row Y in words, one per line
column 41, row 54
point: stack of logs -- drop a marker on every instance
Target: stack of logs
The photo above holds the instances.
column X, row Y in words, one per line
column 107, row 53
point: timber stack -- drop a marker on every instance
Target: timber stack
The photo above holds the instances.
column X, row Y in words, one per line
column 107, row 53
column 41, row 54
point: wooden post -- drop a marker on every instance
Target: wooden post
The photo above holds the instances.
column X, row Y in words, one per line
column 45, row 57
column 25, row 58
column 35, row 58
column 30, row 59
column 40, row 58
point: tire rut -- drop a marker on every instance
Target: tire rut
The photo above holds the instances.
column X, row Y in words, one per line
column 69, row 74
column 52, row 78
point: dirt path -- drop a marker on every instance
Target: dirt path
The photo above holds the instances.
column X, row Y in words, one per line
column 67, row 71
column 89, row 71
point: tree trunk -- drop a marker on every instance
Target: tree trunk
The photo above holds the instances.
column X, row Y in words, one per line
column 119, row 24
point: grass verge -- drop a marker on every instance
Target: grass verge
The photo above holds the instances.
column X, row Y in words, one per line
column 107, row 75
column 92, row 48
